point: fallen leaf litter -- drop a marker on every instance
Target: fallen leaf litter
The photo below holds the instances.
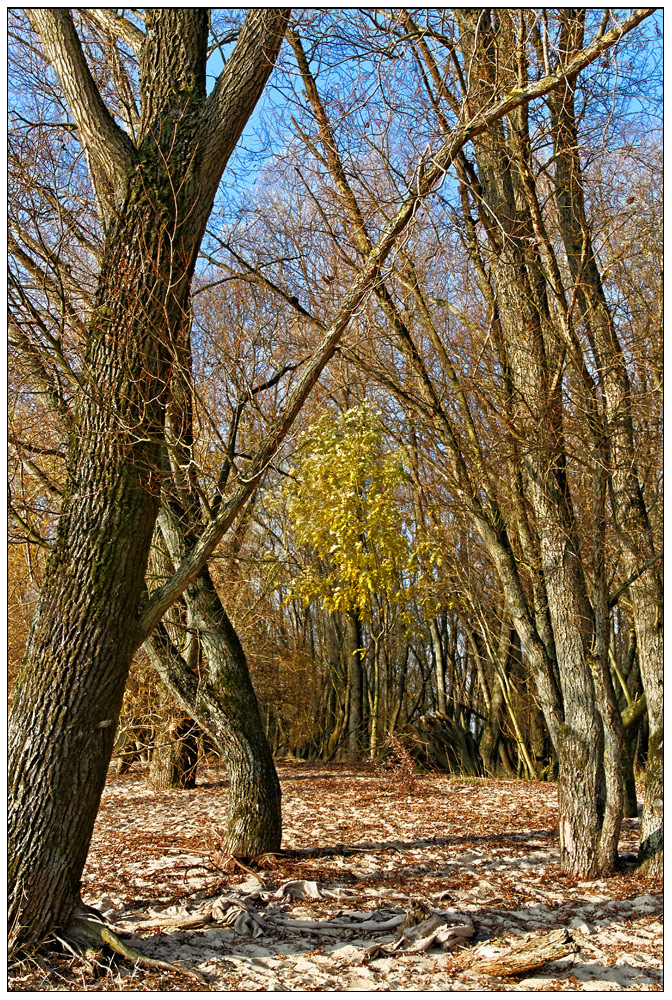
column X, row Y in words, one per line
column 377, row 889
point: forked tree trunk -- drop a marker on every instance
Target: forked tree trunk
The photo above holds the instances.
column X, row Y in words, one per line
column 159, row 197
column 532, row 345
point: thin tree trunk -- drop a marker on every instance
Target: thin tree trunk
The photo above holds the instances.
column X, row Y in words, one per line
column 222, row 700
column 439, row 665
column 175, row 755
column 629, row 785
column 353, row 640
column 492, row 696
column 375, row 699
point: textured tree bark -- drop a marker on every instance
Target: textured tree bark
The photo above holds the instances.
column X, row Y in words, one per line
column 157, row 199
column 590, row 810
column 224, row 704
column 630, row 514
column 629, row 786
column 220, row 697
column 72, row 681
column 175, row 755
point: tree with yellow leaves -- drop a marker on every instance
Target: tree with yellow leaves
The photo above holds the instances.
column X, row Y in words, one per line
column 346, row 503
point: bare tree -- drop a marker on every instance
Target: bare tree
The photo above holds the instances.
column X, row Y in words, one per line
column 155, row 195
column 563, row 623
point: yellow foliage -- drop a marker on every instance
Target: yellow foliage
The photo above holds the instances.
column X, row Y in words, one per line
column 345, row 502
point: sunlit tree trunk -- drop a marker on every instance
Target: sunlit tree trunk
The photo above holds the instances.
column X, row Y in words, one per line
column 589, row 825
column 630, row 514
column 157, row 198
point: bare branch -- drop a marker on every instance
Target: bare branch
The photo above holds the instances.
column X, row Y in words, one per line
column 111, row 153
column 240, row 83
column 615, row 597
column 253, row 273
column 164, row 596
column 108, row 20
column 53, row 288
column 31, row 534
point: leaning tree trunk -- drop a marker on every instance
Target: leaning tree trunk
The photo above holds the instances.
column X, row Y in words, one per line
column 157, row 199
column 71, row 684
column 254, row 821
column 224, row 704
column 221, row 699
column 254, row 814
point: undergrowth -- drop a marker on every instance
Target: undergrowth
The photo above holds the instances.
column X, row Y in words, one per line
column 397, row 769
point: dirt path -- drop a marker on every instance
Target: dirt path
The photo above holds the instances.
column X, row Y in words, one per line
column 480, row 852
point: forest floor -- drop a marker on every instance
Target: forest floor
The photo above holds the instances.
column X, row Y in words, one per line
column 362, row 848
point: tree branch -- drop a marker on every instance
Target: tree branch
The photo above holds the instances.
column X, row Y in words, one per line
column 108, row 20
column 51, row 287
column 111, row 153
column 640, row 571
column 260, row 278
column 31, row 534
column 634, row 712
column 164, row 596
column 240, row 84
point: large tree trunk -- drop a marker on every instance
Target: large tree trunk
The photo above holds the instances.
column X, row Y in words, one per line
column 630, row 514
column 72, row 681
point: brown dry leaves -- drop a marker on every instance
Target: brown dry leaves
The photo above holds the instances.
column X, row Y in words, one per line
column 483, row 850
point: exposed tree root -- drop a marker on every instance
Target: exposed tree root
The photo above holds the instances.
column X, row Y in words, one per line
column 84, row 934
column 529, row 953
